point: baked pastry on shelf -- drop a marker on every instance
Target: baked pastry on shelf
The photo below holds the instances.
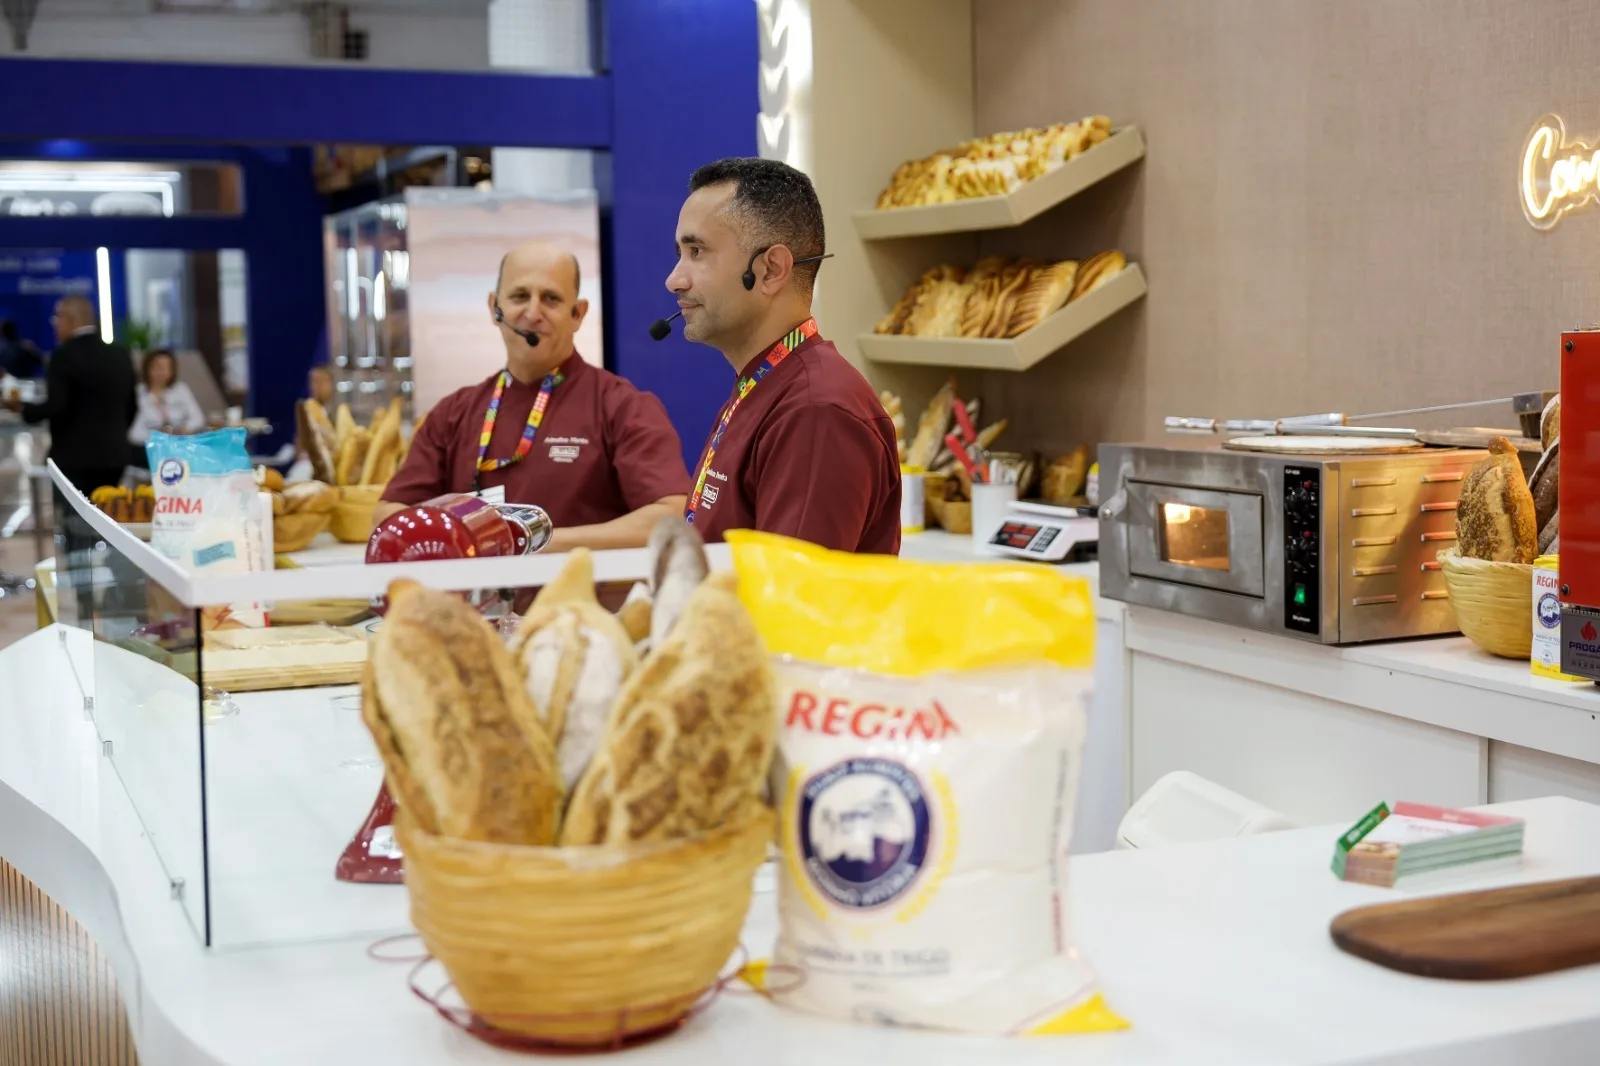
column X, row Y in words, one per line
column 990, row 166
column 997, row 298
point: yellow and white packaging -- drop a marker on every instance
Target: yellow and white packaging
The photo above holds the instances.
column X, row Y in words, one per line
column 912, row 505
column 1546, row 658
column 931, row 732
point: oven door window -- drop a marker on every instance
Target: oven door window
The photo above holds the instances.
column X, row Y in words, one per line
column 1194, row 536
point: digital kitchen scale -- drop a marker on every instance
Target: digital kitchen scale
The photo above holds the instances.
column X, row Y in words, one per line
column 1044, row 533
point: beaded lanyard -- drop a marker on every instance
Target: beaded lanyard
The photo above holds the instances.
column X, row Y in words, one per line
column 777, row 354
column 529, row 431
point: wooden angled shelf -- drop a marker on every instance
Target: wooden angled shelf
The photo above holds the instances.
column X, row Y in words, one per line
column 1032, row 198
column 1020, row 352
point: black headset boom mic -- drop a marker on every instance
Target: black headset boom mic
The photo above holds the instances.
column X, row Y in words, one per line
column 526, row 334
column 663, row 326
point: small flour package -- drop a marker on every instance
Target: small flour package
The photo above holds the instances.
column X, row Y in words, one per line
column 208, row 514
column 931, row 730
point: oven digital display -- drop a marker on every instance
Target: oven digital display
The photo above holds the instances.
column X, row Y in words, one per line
column 1194, row 536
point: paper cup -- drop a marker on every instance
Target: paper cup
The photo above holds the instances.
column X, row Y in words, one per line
column 990, row 505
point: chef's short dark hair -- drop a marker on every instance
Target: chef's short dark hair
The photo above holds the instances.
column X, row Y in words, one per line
column 778, row 203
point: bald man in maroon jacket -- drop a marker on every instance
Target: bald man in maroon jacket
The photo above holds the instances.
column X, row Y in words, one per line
column 802, row 445
column 596, row 453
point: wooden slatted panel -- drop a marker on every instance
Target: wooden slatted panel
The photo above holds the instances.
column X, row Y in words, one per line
column 59, row 1004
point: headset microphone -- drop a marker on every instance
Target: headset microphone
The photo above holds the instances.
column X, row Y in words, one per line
column 662, row 326
column 749, row 275
column 526, row 334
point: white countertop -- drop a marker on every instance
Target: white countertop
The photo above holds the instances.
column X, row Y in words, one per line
column 1443, row 681
column 1217, row 953
column 929, row 546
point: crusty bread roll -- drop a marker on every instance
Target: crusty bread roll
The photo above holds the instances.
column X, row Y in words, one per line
column 574, row 656
column 1550, row 423
column 635, row 618
column 690, row 740
column 344, row 425
column 309, row 497
column 312, row 439
column 1545, row 486
column 463, row 747
column 1044, row 294
column 267, row 480
column 1495, row 517
column 677, row 566
column 352, row 453
column 931, row 427
column 1097, row 271
column 384, row 451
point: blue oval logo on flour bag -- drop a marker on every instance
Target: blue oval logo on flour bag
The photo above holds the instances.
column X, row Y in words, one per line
column 172, row 471
column 863, row 831
column 1549, row 611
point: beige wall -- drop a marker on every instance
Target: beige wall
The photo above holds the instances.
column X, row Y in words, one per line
column 891, row 79
column 1327, row 212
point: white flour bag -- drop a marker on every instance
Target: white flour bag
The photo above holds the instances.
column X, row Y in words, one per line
column 931, row 732
column 208, row 514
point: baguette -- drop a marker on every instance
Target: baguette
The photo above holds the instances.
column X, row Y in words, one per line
column 463, row 747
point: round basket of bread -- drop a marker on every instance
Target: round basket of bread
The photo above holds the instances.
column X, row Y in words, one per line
column 357, row 461
column 580, row 819
column 299, row 512
column 1501, row 528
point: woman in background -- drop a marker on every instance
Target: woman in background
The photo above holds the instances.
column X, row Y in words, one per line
column 165, row 403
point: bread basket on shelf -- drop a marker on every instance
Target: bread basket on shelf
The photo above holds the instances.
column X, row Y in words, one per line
column 1492, row 602
column 293, row 532
column 584, row 946
column 352, row 516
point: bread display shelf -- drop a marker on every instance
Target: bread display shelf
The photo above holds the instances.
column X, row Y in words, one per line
column 1031, row 199
column 1020, row 352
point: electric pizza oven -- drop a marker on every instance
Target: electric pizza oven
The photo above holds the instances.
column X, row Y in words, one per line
column 1337, row 549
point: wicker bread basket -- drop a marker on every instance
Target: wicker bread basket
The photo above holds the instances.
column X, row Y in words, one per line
column 352, row 516
column 292, row 532
column 1493, row 602
column 583, row 946
column 955, row 516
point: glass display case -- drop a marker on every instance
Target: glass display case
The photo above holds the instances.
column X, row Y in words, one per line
column 409, row 280
column 243, row 750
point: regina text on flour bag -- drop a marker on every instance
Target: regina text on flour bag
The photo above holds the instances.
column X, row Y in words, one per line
column 931, row 729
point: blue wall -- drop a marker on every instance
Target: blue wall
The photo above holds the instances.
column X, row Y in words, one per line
column 684, row 77
column 681, row 90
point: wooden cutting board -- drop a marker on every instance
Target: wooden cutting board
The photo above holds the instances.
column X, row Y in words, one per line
column 1476, row 437
column 255, row 660
column 1480, row 936
column 310, row 612
column 1294, row 444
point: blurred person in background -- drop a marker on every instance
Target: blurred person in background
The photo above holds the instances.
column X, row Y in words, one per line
column 90, row 403
column 319, row 386
column 18, row 357
column 166, row 404
column 90, row 399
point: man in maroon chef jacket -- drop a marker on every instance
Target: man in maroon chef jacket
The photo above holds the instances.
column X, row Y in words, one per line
column 598, row 455
column 802, row 446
